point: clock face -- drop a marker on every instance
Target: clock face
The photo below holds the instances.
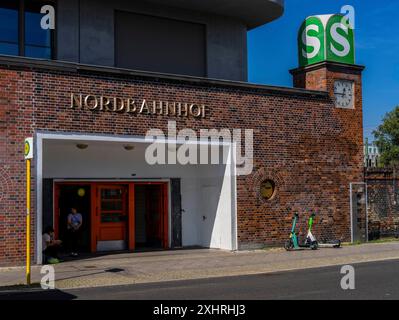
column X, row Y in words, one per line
column 344, row 94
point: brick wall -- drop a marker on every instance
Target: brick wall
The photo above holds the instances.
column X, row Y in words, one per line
column 308, row 147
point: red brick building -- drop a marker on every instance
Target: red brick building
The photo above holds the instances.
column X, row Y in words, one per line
column 89, row 126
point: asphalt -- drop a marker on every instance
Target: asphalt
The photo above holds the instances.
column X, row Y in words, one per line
column 373, row 281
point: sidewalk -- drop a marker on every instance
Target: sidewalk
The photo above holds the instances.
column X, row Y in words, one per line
column 130, row 268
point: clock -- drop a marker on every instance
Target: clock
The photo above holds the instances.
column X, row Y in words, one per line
column 344, row 94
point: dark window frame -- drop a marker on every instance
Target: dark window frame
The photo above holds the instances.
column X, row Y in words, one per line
column 15, row 42
column 21, row 28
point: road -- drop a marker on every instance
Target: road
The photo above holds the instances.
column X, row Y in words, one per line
column 374, row 280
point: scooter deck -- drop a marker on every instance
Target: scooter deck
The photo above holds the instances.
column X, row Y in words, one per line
column 301, row 248
column 333, row 244
column 330, row 245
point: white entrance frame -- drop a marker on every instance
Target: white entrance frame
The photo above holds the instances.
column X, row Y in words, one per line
column 351, row 185
column 42, row 136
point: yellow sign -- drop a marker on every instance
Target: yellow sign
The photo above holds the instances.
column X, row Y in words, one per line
column 28, row 148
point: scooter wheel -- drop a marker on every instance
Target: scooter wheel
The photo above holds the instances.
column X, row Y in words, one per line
column 289, row 245
column 338, row 244
column 314, row 245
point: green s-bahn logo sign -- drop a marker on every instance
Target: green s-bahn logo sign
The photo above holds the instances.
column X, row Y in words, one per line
column 326, row 38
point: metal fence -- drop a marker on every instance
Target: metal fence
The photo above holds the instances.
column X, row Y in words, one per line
column 383, row 203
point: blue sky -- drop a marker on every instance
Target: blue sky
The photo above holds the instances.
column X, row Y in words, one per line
column 272, row 50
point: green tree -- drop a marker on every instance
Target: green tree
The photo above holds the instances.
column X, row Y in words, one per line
column 387, row 138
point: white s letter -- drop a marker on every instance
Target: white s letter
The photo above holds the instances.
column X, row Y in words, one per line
column 311, row 42
column 340, row 39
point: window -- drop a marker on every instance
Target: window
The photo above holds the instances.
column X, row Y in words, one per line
column 267, row 189
column 112, row 205
column 20, row 30
column 9, row 28
column 37, row 40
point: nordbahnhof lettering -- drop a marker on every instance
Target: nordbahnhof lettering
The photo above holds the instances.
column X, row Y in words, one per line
column 134, row 106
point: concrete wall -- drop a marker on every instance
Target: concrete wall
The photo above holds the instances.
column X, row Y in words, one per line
column 105, row 160
column 85, row 34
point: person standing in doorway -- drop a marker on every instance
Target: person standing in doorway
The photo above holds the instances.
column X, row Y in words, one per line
column 74, row 226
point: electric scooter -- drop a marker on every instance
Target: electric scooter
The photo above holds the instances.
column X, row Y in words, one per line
column 310, row 238
column 334, row 244
column 310, row 242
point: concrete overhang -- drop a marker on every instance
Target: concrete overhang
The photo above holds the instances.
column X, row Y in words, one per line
column 253, row 13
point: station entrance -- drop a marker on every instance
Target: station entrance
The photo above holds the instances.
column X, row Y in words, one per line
column 116, row 216
column 128, row 204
